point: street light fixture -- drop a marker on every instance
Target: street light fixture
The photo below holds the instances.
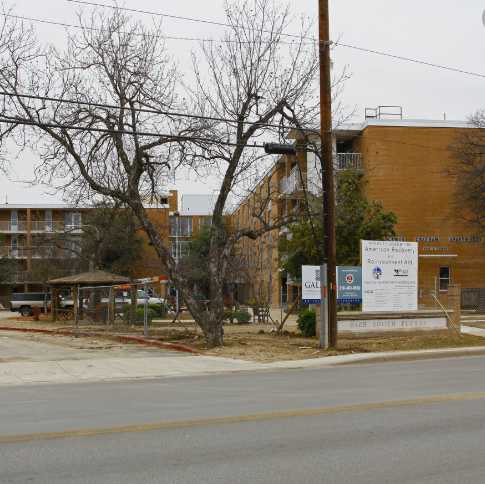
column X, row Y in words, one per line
column 279, row 149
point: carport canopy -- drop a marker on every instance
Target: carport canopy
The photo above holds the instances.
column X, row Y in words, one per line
column 85, row 279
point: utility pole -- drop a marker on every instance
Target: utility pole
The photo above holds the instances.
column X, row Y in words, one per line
column 327, row 167
column 177, row 258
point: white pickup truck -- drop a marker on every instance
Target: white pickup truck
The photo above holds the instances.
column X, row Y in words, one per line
column 121, row 298
column 23, row 302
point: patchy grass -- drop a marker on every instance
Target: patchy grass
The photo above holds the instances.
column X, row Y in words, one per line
column 269, row 347
column 258, row 343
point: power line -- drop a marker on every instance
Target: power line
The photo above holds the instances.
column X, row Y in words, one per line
column 182, row 137
column 170, row 137
column 199, row 39
column 148, row 111
column 162, row 36
column 154, row 111
column 179, row 17
column 349, row 46
column 409, row 59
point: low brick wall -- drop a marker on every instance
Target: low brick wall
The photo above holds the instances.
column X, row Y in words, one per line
column 358, row 322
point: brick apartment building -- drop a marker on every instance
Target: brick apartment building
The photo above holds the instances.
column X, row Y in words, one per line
column 27, row 231
column 405, row 164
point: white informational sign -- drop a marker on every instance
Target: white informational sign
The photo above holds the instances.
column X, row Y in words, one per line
column 389, row 276
column 385, row 325
column 310, row 285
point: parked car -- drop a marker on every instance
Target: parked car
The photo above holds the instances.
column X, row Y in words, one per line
column 23, row 302
column 66, row 302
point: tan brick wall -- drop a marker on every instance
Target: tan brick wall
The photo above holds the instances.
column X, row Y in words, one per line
column 407, row 171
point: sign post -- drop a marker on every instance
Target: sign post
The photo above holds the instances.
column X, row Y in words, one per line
column 323, row 308
column 145, row 310
column 314, row 290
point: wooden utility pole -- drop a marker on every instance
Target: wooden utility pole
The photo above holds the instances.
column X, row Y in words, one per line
column 327, row 167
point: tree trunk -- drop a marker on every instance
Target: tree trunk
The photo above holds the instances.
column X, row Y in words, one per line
column 214, row 334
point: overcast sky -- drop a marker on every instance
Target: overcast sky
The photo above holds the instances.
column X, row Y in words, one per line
column 448, row 32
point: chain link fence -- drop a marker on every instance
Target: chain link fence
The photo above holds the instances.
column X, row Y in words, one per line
column 473, row 299
column 133, row 304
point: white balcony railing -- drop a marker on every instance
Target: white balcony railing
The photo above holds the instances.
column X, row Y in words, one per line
column 38, row 226
column 6, row 226
column 349, row 161
column 47, row 226
column 291, row 183
column 22, row 277
column 42, row 252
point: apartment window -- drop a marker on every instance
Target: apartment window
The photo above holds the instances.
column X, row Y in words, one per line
column 14, row 242
column 72, row 248
column 48, row 220
column 14, row 219
column 182, row 247
column 445, row 278
column 205, row 222
column 72, row 220
column 181, row 226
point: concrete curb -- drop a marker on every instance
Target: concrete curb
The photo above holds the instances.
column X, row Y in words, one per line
column 384, row 357
column 120, row 338
column 328, row 361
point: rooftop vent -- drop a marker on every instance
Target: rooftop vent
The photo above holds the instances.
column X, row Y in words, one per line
column 384, row 112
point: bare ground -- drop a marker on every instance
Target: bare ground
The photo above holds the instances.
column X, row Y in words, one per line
column 260, row 343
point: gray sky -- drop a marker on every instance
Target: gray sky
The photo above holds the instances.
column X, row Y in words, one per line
column 446, row 32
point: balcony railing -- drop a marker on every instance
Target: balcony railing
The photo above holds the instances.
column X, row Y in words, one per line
column 47, row 226
column 349, row 161
column 291, row 183
column 42, row 252
column 22, row 277
column 9, row 227
column 38, row 226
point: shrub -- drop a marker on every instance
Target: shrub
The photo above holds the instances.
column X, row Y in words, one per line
column 160, row 310
column 140, row 313
column 241, row 317
column 307, row 321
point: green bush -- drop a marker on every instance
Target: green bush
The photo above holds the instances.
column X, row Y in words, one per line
column 140, row 313
column 160, row 310
column 241, row 317
column 307, row 322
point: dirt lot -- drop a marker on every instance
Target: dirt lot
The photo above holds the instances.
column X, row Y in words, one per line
column 259, row 343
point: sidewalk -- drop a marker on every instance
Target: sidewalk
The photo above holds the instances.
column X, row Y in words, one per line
column 473, row 331
column 115, row 369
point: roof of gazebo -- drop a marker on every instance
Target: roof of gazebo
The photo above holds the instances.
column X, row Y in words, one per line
column 94, row 278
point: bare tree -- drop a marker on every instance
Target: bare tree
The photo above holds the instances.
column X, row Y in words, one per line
column 251, row 78
column 113, row 135
column 17, row 42
column 469, row 169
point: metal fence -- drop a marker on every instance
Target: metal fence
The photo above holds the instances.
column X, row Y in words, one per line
column 134, row 304
column 473, row 299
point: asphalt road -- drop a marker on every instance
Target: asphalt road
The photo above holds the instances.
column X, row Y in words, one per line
column 411, row 422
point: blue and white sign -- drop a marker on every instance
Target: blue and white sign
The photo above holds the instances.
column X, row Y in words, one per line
column 310, row 285
column 349, row 285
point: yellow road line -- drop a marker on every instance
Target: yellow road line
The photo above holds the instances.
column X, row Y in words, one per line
column 205, row 422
